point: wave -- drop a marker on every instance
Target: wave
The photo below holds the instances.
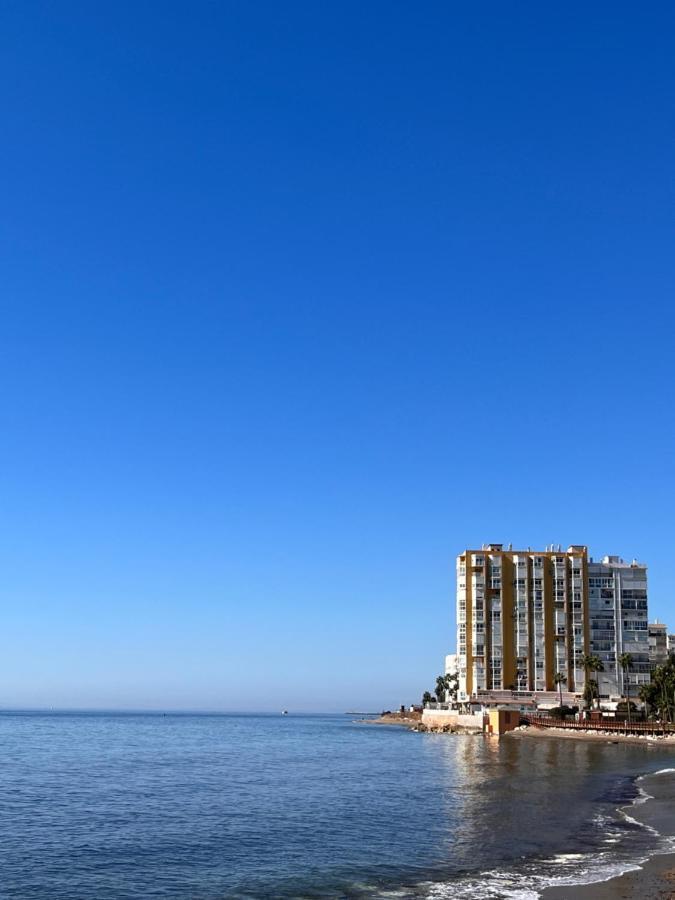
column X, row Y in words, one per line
column 627, row 852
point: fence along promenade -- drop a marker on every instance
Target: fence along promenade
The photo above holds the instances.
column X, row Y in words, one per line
column 542, row 721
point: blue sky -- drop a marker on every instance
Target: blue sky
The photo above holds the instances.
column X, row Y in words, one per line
column 299, row 300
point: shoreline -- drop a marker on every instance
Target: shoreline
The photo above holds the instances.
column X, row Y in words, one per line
column 652, row 873
column 606, row 737
column 392, row 719
column 652, row 876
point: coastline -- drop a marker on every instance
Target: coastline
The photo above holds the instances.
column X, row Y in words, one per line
column 407, row 721
column 655, row 878
column 651, row 874
column 650, row 877
column 606, row 737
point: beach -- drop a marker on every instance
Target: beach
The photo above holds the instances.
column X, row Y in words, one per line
column 653, row 877
column 604, row 737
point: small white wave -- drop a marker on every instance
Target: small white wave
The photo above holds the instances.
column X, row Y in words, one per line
column 651, row 774
column 639, row 824
column 642, row 797
column 522, row 886
column 485, row 887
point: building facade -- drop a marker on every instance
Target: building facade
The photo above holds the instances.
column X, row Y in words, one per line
column 451, row 664
column 522, row 617
column 658, row 643
column 617, row 594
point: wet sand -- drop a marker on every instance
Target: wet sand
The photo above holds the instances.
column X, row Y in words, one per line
column 655, row 879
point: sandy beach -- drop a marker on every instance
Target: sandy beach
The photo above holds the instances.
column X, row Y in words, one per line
column 654, row 879
column 667, row 743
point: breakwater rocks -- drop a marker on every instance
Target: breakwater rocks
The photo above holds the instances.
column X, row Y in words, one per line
column 445, row 729
column 408, row 720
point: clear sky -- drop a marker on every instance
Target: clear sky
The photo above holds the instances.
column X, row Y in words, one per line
column 301, row 299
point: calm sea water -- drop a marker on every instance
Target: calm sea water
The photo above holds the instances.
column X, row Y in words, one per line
column 181, row 806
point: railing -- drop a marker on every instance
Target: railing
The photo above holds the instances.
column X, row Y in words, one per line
column 653, row 728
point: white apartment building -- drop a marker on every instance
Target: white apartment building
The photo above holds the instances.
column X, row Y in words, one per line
column 617, row 596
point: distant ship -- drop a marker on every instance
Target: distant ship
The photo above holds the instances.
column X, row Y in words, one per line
column 284, row 712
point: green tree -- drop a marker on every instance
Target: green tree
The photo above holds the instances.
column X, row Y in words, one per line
column 626, row 661
column 663, row 678
column 560, row 680
column 591, row 664
column 659, row 694
column 440, row 688
column 427, row 698
column 648, row 694
column 452, row 686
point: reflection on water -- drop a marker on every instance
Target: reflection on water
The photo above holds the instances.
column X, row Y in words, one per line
column 316, row 807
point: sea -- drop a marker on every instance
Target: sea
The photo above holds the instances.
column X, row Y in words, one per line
column 103, row 805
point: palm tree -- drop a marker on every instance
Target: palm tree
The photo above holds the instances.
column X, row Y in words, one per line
column 663, row 682
column 559, row 679
column 427, row 698
column 626, row 661
column 441, row 688
column 648, row 693
column 591, row 664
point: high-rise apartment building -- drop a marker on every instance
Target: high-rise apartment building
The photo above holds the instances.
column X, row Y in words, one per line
column 617, row 597
column 522, row 617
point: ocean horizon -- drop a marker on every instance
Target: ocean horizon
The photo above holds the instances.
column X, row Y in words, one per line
column 212, row 805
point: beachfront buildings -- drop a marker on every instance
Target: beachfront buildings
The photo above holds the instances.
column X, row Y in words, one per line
column 522, row 617
column 658, row 643
column 617, row 610
column 527, row 616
